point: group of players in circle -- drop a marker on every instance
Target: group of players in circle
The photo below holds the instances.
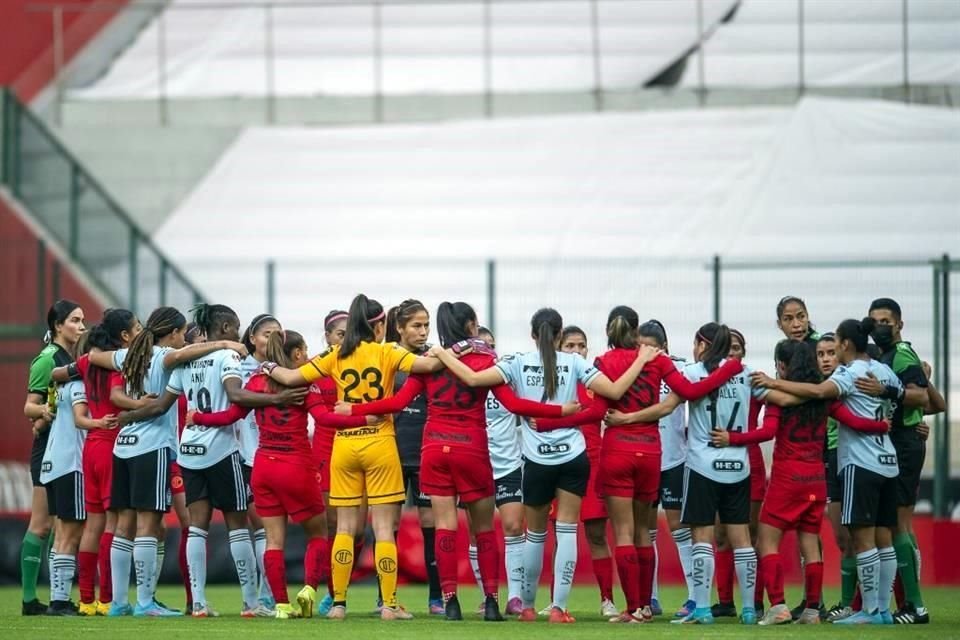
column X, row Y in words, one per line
column 131, row 418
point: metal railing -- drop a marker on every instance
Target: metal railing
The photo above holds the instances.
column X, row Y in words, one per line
column 601, row 95
column 94, row 230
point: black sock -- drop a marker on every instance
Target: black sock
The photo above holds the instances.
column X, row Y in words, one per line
column 430, row 561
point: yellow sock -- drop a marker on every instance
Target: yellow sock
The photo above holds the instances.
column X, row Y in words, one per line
column 386, row 557
column 341, row 565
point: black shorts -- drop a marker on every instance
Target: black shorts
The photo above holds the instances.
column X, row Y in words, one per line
column 911, row 454
column 223, row 484
column 141, row 482
column 671, row 488
column 65, row 497
column 247, row 475
column 834, row 489
column 705, row 499
column 541, row 481
column 869, row 499
column 411, row 486
column 36, row 457
column 509, row 488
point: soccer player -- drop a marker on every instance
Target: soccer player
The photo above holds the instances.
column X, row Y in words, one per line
column 868, row 465
column 365, row 459
column 556, row 463
column 796, row 496
column 284, row 480
column 455, row 457
column 64, row 328
column 911, row 448
column 793, row 320
column 140, row 492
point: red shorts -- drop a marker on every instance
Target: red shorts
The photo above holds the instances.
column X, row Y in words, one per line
column 630, row 475
column 593, row 507
column 97, row 475
column 758, row 473
column 792, row 506
column 451, row 471
column 176, row 479
column 286, row 487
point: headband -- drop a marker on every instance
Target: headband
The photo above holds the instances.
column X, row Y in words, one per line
column 265, row 318
column 377, row 318
column 335, row 317
column 703, row 339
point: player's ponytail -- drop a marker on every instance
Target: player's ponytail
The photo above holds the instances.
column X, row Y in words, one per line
column 161, row 323
column 857, row 332
column 622, row 324
column 717, row 338
column 280, row 347
column 106, row 336
column 547, row 325
column 453, row 320
column 364, row 314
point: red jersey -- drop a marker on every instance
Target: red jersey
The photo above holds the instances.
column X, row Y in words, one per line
column 592, row 430
column 645, row 392
column 457, row 413
column 181, row 414
column 98, row 398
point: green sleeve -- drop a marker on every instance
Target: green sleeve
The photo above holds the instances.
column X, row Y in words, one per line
column 40, row 371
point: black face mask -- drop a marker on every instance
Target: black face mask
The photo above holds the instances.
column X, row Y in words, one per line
column 883, row 336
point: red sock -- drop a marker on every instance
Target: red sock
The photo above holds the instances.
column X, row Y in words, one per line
column 445, row 547
column 813, row 583
column 724, row 576
column 87, row 578
column 488, row 557
column 628, row 568
column 898, row 591
column 276, row 569
column 646, row 560
column 773, row 578
column 758, row 591
column 106, row 580
column 313, row 565
column 603, row 569
column 184, row 569
column 857, row 604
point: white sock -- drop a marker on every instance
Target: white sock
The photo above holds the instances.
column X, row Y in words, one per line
column 61, row 577
column 868, row 571
column 161, row 553
column 197, row 564
column 684, row 541
column 52, row 574
column 121, row 555
column 701, row 572
column 260, row 547
column 145, row 565
column 475, row 565
column 655, row 594
column 513, row 558
column 888, row 573
column 241, row 548
column 745, row 562
column 532, row 566
column 564, row 563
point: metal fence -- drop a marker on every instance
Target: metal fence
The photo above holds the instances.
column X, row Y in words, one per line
column 600, row 97
column 78, row 212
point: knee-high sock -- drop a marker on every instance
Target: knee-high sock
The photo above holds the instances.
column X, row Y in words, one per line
column 628, row 567
column 702, row 569
column 275, row 567
column 197, row 564
column 430, row 561
column 184, row 569
column 684, row 541
column 121, row 555
column 745, row 561
column 773, row 578
column 868, row 570
column 488, row 556
column 513, row 555
column 245, row 560
column 813, row 583
column 61, row 582
column 475, row 566
column 603, row 570
column 158, row 569
column 385, row 553
column 313, row 565
column 758, row 582
column 848, row 580
column 907, row 556
column 87, row 576
column 724, row 575
column 342, row 564
column 446, row 554
column 106, row 567
column 31, row 557
column 888, row 573
column 564, row 563
column 655, row 589
column 645, row 561
column 328, row 559
column 145, row 565
column 259, row 548
column 532, row 565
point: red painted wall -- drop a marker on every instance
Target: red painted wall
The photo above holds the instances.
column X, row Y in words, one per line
column 26, row 40
column 19, row 305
